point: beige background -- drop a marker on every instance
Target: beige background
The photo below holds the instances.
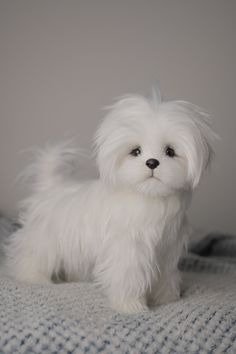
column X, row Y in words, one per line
column 62, row 61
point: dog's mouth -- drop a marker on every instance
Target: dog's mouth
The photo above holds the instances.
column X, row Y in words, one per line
column 153, row 176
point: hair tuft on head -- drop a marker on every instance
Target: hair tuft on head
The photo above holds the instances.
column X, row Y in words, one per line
column 156, row 94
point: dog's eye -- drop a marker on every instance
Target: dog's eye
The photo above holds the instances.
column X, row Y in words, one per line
column 170, row 151
column 136, row 151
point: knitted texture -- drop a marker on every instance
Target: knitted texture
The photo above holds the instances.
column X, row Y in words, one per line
column 75, row 317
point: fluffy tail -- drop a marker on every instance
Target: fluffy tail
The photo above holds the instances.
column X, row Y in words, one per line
column 53, row 166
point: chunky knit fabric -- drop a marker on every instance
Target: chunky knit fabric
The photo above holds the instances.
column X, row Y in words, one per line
column 75, row 317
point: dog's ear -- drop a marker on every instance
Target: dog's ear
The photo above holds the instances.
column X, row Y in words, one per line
column 117, row 131
column 200, row 149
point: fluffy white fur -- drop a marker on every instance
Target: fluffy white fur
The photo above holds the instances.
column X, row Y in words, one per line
column 127, row 229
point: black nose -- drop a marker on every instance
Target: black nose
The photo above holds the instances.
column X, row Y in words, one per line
column 152, row 163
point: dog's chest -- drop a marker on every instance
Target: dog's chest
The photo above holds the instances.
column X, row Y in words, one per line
column 135, row 212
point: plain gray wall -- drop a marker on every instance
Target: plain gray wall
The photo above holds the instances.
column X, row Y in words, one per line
column 62, row 61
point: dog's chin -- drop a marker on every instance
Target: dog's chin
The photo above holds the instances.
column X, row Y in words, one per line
column 154, row 187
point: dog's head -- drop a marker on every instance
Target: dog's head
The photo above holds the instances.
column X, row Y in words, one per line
column 154, row 147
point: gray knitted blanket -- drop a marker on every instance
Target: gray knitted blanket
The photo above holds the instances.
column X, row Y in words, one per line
column 75, row 318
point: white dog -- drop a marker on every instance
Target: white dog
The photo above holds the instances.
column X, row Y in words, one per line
column 127, row 229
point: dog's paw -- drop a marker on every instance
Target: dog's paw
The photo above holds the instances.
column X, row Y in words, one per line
column 168, row 297
column 130, row 306
column 164, row 298
column 30, row 277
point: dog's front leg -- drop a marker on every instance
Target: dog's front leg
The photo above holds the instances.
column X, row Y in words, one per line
column 167, row 286
column 124, row 272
